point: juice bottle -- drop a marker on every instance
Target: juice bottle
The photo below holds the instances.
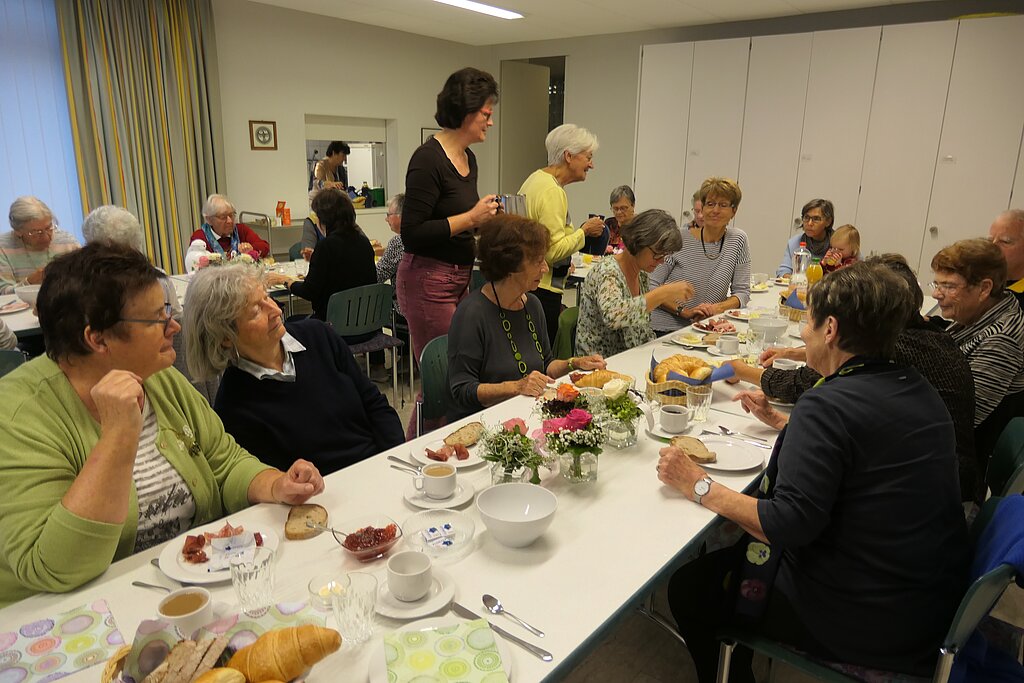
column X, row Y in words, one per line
column 814, row 272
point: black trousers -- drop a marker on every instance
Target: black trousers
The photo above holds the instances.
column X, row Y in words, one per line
column 701, row 606
column 552, row 304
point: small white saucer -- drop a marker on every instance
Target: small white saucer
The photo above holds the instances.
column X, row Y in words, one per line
column 658, row 433
column 442, row 590
column 714, row 351
column 464, row 493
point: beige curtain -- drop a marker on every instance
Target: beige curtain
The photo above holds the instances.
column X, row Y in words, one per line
column 145, row 120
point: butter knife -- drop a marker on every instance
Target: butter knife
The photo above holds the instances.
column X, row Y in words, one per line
column 467, row 613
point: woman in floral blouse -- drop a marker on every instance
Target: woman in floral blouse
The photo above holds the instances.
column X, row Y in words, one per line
column 616, row 300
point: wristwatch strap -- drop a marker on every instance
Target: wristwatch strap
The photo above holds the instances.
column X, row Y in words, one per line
column 698, row 498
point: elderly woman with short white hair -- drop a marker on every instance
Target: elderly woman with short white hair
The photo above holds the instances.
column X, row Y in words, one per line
column 109, row 224
column 33, row 242
column 570, row 157
column 288, row 389
column 222, row 235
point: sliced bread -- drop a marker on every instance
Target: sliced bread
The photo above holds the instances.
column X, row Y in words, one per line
column 467, row 435
column 694, row 448
column 296, row 528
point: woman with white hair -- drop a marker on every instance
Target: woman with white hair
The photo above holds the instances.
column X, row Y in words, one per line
column 109, row 224
column 33, row 242
column 570, row 157
column 289, row 389
column 222, row 235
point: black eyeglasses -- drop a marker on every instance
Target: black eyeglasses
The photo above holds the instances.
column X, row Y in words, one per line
column 165, row 321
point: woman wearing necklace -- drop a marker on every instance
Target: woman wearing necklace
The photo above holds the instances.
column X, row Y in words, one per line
column 222, row 235
column 33, row 242
column 714, row 258
column 497, row 344
column 818, row 217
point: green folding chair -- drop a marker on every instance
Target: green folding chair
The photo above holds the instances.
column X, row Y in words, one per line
column 10, row 359
column 362, row 310
column 977, row 602
column 433, row 403
column 1005, row 474
column 476, row 280
column 295, row 251
column 565, row 336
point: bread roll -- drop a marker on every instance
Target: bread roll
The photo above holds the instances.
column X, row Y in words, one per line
column 296, row 528
column 221, row 675
column 284, row 653
column 467, row 435
column 598, row 378
column 688, row 366
column 694, row 448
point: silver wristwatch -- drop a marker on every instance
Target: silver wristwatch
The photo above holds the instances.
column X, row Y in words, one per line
column 701, row 488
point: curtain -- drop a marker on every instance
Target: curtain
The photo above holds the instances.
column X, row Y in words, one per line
column 144, row 114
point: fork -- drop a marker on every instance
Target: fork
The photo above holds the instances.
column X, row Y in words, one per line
column 752, row 443
column 728, row 432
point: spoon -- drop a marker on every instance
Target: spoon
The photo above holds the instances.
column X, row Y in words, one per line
column 320, row 527
column 398, row 460
column 493, row 606
column 406, row 470
column 143, row 584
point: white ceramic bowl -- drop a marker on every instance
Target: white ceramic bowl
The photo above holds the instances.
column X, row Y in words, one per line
column 28, row 293
column 516, row 514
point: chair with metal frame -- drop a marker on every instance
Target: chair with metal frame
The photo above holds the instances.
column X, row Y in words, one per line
column 433, row 403
column 10, row 359
column 361, row 310
column 295, row 251
column 1005, row 474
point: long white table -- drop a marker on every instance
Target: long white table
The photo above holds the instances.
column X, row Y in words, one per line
column 610, row 542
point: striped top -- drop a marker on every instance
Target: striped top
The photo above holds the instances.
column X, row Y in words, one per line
column 17, row 262
column 166, row 505
column 713, row 280
column 994, row 346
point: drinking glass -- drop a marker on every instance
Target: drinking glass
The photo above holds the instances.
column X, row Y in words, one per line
column 357, row 608
column 301, row 267
column 698, row 400
column 253, row 579
column 326, row 592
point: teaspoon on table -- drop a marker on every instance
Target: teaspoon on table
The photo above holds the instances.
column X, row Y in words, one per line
column 494, row 606
column 143, row 584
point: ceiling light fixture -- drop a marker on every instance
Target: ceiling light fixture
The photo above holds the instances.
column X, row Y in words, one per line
column 482, row 8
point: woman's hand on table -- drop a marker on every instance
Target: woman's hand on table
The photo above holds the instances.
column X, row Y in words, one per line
column 274, row 279
column 701, row 311
column 119, row 398
column 756, row 403
column 301, row 482
column 245, row 248
column 592, row 362
column 675, row 469
column 771, row 355
column 533, row 384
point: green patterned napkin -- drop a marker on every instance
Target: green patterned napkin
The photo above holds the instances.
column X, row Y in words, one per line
column 460, row 653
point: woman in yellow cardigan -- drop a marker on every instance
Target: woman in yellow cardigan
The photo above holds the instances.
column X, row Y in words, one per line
column 107, row 450
column 570, row 157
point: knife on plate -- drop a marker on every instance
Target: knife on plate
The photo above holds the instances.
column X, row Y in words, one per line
column 467, row 613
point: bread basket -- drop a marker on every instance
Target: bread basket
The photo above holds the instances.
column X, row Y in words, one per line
column 794, row 314
column 671, row 392
column 112, row 671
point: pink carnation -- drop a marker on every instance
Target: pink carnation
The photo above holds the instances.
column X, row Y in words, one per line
column 514, row 424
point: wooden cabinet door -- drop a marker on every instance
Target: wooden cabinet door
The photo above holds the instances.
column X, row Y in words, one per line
column 717, row 93
column 662, row 121
column 914, row 64
column 770, row 147
column 981, row 132
column 836, row 114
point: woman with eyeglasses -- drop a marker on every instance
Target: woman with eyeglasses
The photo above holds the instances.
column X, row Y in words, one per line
column 713, row 257
column 33, row 242
column 106, row 450
column 618, row 297
column 818, row 215
column 989, row 327
column 222, row 235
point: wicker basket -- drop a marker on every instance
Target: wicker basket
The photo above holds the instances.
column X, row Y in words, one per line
column 794, row 314
column 656, row 392
column 112, row 671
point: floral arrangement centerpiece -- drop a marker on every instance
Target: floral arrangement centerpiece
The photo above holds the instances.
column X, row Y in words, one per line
column 206, row 260
column 567, row 397
column 621, row 414
column 513, row 453
column 576, row 439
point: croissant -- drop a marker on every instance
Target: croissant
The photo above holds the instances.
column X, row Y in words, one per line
column 689, row 366
column 285, row 653
column 598, row 378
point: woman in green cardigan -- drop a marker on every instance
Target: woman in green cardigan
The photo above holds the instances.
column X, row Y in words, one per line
column 107, row 450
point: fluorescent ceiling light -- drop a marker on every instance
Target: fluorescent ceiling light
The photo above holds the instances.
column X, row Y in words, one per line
column 482, row 8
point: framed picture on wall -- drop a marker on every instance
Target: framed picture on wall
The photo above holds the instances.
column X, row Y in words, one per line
column 426, row 133
column 262, row 135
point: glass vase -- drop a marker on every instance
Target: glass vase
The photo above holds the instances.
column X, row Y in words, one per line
column 500, row 475
column 579, row 468
column 621, row 433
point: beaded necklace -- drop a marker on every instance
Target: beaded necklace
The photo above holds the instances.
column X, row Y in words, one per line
column 507, row 326
column 712, row 256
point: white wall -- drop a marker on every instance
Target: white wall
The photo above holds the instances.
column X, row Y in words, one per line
column 280, row 65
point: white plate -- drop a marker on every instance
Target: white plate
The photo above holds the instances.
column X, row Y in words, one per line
column 741, row 314
column 463, row 494
column 696, row 330
column 442, row 590
column 420, row 455
column 733, row 456
column 378, row 669
column 173, row 565
column 674, row 339
column 713, row 350
column 781, row 282
column 16, row 306
column 759, row 291
column 658, row 433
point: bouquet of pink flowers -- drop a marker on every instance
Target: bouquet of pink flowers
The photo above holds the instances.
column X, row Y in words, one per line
column 511, row 449
column 576, row 433
column 206, row 260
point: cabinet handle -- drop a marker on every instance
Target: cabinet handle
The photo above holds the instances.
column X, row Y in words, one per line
column 934, row 230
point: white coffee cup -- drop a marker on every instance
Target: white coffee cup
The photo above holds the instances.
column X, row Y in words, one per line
column 186, row 609
column 674, row 419
column 436, row 480
column 729, row 345
column 785, row 364
column 409, row 575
